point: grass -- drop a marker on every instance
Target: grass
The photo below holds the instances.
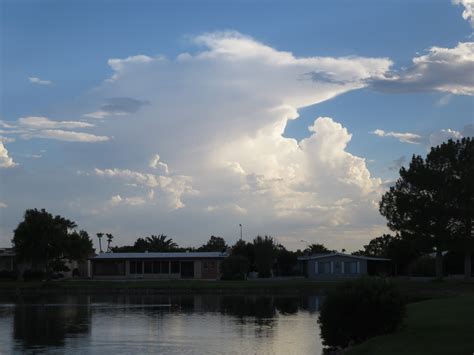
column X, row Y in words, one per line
column 183, row 286
column 438, row 326
column 412, row 290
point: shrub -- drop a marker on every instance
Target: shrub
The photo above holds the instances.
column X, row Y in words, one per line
column 234, row 267
column 423, row 266
column 8, row 274
column 30, row 274
column 360, row 309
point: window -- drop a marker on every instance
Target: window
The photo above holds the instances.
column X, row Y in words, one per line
column 156, row 267
column 139, row 267
column 165, row 267
column 209, row 265
column 133, row 267
column 175, row 267
column 351, row 267
column 148, row 267
column 324, row 267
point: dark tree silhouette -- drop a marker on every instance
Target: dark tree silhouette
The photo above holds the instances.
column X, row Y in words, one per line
column 316, row 249
column 458, row 158
column 46, row 240
column 214, row 244
column 110, row 237
column 99, row 236
column 432, row 201
column 265, row 251
column 160, row 243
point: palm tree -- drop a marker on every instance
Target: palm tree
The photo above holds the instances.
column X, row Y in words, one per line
column 109, row 240
column 160, row 243
column 100, row 235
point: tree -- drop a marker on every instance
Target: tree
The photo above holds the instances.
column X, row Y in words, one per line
column 99, row 236
column 285, row 261
column 378, row 247
column 46, row 240
column 160, row 243
column 458, row 156
column 234, row 267
column 317, row 249
column 401, row 251
column 214, row 244
column 265, row 251
column 432, row 201
column 79, row 247
column 110, row 237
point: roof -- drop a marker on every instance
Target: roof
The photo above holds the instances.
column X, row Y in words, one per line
column 7, row 252
column 321, row 256
column 145, row 255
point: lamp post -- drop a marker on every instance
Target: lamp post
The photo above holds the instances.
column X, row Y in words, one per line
column 240, row 225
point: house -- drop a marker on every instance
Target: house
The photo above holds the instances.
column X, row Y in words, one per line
column 186, row 265
column 7, row 259
column 342, row 266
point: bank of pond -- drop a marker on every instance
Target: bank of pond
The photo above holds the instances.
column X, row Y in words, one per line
column 254, row 305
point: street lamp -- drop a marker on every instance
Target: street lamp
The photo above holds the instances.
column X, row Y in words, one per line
column 240, row 225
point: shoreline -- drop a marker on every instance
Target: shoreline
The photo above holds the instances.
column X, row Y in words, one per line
column 412, row 290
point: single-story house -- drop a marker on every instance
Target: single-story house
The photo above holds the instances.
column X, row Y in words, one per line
column 182, row 265
column 7, row 259
column 339, row 265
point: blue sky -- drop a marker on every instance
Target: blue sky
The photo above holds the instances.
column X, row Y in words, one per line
column 66, row 45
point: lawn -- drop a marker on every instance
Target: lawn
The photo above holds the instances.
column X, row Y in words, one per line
column 412, row 290
column 438, row 326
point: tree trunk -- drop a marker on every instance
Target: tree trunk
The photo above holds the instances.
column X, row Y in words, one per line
column 439, row 264
column 467, row 265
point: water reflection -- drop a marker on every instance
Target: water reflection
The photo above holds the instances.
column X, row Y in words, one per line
column 178, row 324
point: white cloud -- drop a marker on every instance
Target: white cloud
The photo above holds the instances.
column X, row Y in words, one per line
column 173, row 188
column 3, row 205
column 442, row 69
column 406, row 137
column 468, row 12
column 443, row 135
column 33, row 156
column 7, row 139
column 219, row 117
column 68, row 136
column 37, row 122
column 130, row 201
column 36, row 80
column 5, row 160
column 155, row 163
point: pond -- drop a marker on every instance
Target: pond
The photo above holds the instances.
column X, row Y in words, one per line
column 186, row 324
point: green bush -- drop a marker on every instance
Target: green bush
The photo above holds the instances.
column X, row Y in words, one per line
column 234, row 267
column 423, row 266
column 360, row 309
column 31, row 274
column 8, row 274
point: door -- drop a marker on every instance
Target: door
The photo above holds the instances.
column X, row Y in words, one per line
column 187, row 269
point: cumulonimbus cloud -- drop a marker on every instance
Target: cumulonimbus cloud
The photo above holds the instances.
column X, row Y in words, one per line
column 5, row 160
column 219, row 116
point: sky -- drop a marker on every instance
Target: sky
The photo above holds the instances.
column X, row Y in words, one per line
column 189, row 118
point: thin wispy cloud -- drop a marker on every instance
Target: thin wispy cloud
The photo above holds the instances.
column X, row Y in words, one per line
column 38, row 81
column 404, row 137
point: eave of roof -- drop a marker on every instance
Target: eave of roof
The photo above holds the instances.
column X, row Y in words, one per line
column 152, row 255
column 321, row 256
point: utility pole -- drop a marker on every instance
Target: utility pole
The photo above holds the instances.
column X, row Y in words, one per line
column 240, row 231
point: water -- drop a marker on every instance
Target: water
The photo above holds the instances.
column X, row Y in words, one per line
column 160, row 324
